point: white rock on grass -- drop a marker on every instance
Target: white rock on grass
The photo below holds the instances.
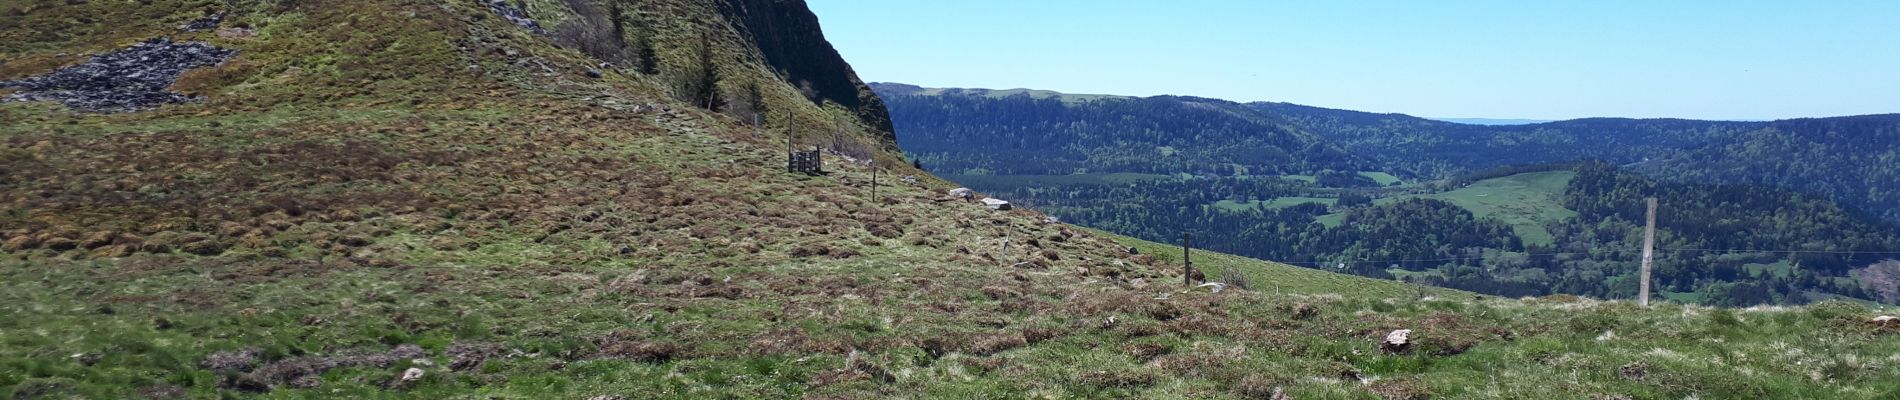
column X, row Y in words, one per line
column 1397, row 342
column 412, row 375
column 997, row 204
column 1214, row 287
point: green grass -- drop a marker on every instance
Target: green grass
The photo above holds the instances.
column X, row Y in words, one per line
column 1280, row 278
column 532, row 240
column 1782, row 268
column 1525, row 201
column 1331, row 220
column 1384, row 179
column 1274, row 204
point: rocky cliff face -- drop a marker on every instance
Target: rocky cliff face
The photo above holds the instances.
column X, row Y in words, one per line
column 787, row 34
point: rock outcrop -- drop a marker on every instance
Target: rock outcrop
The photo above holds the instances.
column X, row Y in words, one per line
column 787, row 33
column 130, row 79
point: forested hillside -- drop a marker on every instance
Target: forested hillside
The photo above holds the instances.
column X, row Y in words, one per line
column 974, row 133
column 1723, row 244
column 962, row 131
column 1849, row 159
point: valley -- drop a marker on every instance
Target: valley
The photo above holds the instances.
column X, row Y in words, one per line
column 1482, row 224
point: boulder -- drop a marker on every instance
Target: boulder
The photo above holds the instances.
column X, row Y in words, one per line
column 962, row 193
column 1397, row 342
column 997, row 204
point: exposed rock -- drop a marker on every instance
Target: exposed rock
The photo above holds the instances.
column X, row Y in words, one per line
column 963, row 193
column 130, row 79
column 516, row 16
column 1398, row 341
column 997, row 204
column 1214, row 287
column 412, row 375
column 206, row 23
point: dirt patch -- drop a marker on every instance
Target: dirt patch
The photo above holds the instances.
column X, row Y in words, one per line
column 299, row 372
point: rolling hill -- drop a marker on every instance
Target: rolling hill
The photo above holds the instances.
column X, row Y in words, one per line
column 566, row 199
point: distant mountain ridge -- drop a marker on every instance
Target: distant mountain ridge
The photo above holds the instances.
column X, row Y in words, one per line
column 1850, row 159
column 980, row 131
column 1495, row 121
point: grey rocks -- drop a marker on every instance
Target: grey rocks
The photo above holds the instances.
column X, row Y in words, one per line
column 516, row 15
column 962, row 193
column 130, row 79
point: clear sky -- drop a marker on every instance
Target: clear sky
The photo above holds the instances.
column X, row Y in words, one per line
column 1735, row 59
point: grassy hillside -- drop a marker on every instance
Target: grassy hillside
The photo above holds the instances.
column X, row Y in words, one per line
column 1528, row 202
column 421, row 199
column 1271, row 277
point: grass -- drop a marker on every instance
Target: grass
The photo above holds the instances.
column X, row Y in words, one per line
column 1526, row 201
column 1280, row 278
column 316, row 232
column 1782, row 268
column 1384, row 179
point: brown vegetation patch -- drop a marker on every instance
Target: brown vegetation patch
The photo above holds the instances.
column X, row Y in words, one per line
column 1400, row 389
column 647, row 351
column 303, row 372
column 1134, row 378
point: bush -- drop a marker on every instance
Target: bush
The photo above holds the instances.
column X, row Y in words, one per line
column 1234, row 278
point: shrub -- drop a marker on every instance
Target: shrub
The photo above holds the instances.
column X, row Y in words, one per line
column 1234, row 278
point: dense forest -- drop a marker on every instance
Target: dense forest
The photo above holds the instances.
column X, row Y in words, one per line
column 1708, row 234
column 1019, row 135
column 1755, row 212
column 1854, row 160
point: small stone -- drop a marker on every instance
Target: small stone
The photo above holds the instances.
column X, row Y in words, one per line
column 412, row 375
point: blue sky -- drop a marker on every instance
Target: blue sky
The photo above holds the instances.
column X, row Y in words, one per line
column 1735, row 59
